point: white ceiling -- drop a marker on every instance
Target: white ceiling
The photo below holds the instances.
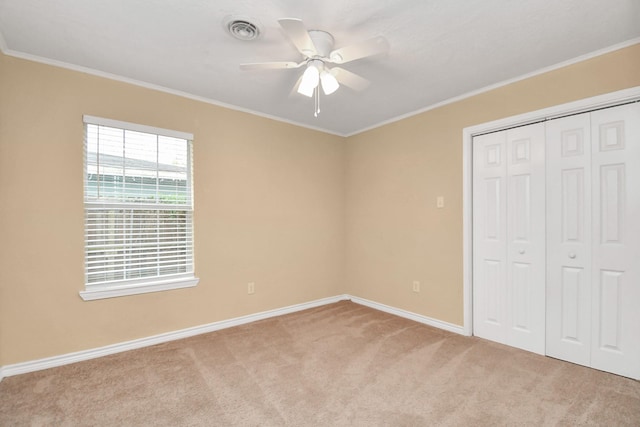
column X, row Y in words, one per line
column 440, row 49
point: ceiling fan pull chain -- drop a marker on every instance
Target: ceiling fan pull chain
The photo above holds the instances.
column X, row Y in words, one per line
column 316, row 102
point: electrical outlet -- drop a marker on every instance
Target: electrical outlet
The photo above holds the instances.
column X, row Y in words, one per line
column 251, row 288
column 440, row 202
column 416, row 286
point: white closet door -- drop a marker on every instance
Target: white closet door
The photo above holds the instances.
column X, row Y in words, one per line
column 616, row 240
column 489, row 236
column 509, row 240
column 593, row 239
column 526, row 237
column 568, row 334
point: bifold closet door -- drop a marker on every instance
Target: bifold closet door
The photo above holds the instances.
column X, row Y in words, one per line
column 569, row 296
column 593, row 228
column 509, row 238
column 615, row 134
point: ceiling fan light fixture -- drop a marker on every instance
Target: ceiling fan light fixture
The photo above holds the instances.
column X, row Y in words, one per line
column 329, row 82
column 310, row 79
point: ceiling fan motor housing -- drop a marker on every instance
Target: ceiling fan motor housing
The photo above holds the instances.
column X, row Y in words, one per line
column 323, row 42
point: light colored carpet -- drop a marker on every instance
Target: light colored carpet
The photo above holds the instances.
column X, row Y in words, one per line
column 337, row 365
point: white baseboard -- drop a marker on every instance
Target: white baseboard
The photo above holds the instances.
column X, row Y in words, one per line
column 79, row 356
column 65, row 359
column 409, row 315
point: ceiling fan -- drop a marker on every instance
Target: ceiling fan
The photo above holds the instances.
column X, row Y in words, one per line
column 317, row 49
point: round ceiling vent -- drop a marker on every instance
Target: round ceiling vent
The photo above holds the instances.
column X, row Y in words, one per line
column 242, row 27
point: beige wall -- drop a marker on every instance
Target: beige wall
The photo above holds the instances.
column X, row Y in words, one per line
column 395, row 234
column 305, row 215
column 269, row 209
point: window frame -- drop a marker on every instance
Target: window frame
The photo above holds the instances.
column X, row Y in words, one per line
column 119, row 288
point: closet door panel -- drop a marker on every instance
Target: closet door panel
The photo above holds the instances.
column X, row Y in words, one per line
column 525, row 237
column 616, row 240
column 489, row 236
column 568, row 307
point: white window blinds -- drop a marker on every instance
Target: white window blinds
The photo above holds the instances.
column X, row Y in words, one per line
column 138, row 205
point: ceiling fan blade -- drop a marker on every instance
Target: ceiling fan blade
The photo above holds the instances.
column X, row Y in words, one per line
column 349, row 79
column 297, row 32
column 363, row 49
column 270, row 65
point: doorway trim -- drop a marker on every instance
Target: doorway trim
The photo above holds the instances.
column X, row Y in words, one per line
column 557, row 111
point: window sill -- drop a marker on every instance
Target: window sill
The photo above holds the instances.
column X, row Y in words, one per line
column 138, row 288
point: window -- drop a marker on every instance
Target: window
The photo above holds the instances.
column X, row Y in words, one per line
column 138, row 204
